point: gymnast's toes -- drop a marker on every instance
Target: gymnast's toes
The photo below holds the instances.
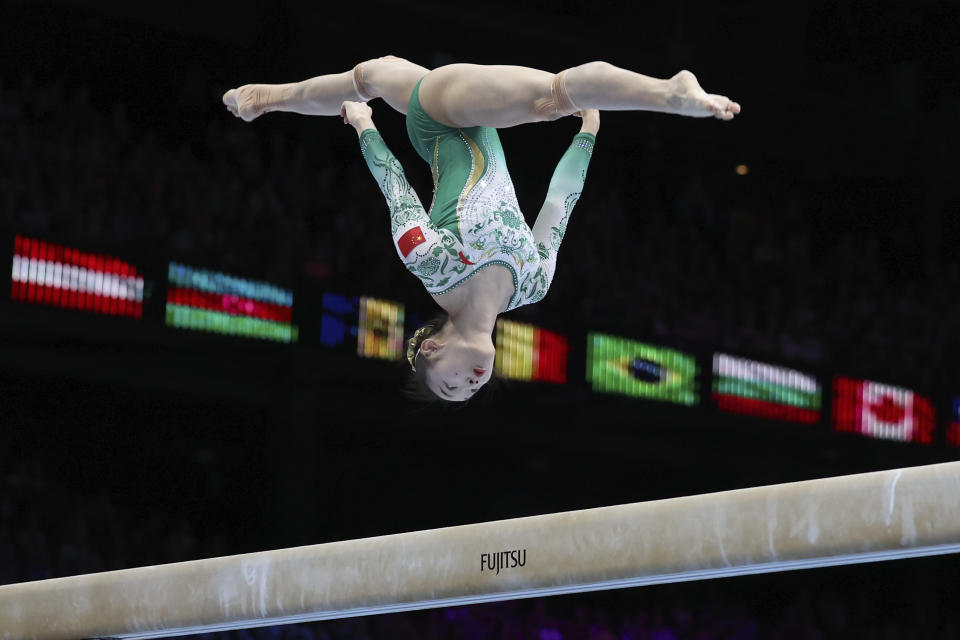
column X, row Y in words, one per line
column 230, row 100
column 248, row 102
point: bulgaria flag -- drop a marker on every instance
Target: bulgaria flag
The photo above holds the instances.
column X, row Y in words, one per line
column 759, row 389
column 882, row 411
column 47, row 273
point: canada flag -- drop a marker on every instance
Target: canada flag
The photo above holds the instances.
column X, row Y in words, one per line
column 882, row 411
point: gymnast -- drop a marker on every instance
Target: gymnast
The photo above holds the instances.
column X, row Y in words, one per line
column 474, row 221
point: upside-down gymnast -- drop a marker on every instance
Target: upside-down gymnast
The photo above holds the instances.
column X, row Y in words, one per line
column 474, row 222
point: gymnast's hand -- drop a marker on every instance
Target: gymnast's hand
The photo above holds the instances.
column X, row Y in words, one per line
column 358, row 114
column 591, row 120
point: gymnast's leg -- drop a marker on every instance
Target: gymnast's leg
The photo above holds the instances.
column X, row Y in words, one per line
column 389, row 77
column 462, row 95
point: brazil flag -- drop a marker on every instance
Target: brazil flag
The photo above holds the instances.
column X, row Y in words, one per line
column 627, row 367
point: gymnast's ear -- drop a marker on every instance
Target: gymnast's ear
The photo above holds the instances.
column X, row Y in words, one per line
column 430, row 348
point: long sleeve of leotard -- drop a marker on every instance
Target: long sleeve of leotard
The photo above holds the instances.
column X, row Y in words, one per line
column 414, row 235
column 564, row 191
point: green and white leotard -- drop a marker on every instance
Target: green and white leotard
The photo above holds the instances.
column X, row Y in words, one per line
column 474, row 220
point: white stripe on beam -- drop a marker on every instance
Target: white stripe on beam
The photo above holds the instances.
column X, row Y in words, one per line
column 844, row 520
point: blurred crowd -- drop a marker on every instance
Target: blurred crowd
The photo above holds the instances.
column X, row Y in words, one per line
column 688, row 269
column 49, row 529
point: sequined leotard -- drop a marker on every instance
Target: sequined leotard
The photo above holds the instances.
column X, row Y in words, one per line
column 474, row 220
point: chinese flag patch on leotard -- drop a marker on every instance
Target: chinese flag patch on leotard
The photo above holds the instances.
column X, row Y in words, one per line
column 409, row 240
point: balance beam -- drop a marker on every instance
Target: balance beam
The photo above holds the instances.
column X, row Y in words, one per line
column 858, row 518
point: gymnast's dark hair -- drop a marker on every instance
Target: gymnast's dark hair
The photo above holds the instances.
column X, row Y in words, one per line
column 416, row 387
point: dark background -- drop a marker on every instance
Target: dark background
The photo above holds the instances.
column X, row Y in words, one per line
column 126, row 443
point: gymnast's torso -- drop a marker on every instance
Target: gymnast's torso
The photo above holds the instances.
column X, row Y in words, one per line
column 474, row 223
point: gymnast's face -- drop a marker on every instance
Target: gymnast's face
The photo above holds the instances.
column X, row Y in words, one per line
column 458, row 367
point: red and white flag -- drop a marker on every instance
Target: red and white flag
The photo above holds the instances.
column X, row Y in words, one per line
column 882, row 411
column 48, row 273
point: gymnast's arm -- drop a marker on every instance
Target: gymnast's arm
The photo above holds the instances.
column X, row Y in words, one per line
column 409, row 224
column 565, row 187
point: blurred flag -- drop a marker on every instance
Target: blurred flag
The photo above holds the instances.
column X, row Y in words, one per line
column 953, row 427
column 631, row 368
column 526, row 352
column 211, row 301
column 380, row 329
column 882, row 411
column 48, row 273
column 760, row 389
column 339, row 320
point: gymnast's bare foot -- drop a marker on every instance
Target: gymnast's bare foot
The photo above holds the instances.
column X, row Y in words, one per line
column 687, row 98
column 253, row 100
